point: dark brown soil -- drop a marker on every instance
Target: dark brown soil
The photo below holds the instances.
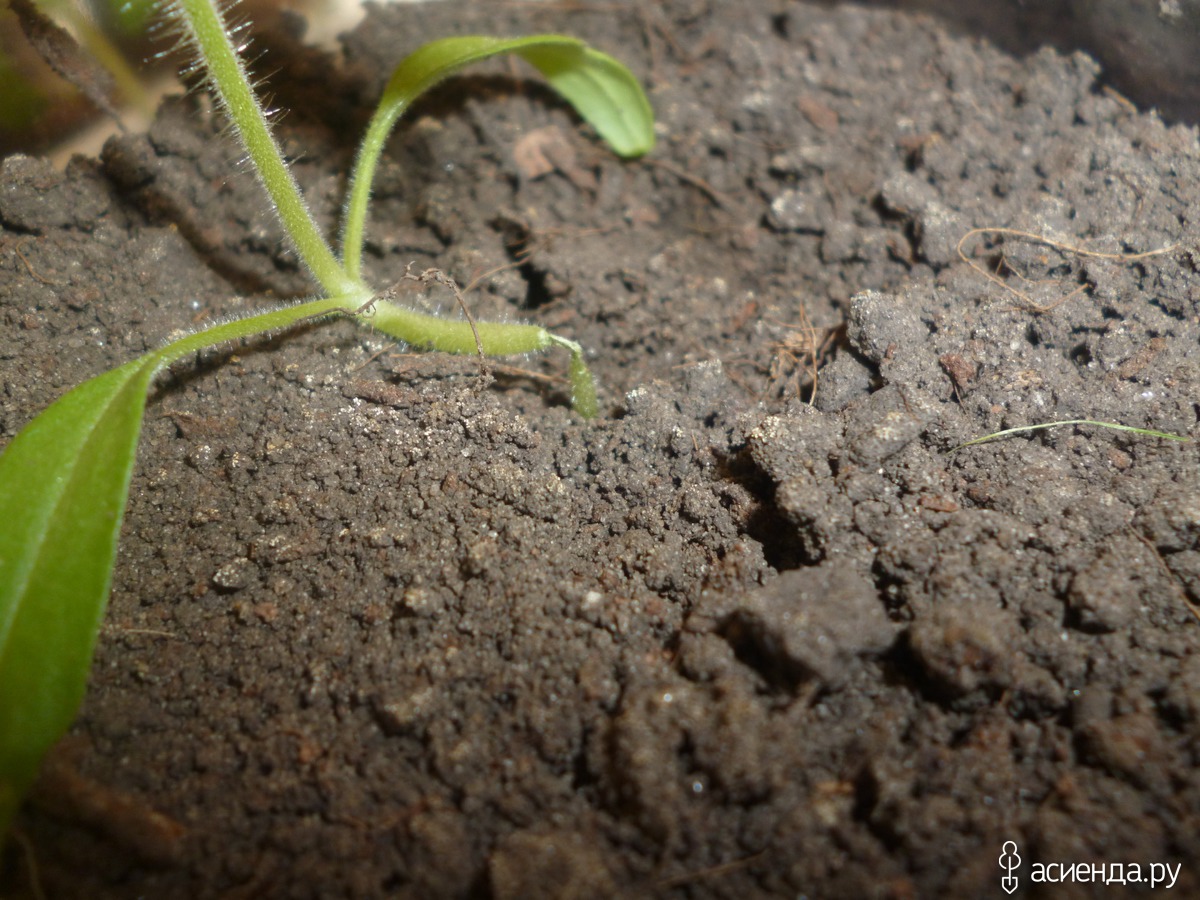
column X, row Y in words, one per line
column 381, row 628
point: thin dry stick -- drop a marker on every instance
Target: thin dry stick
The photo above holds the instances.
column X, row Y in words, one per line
column 370, row 359
column 522, row 257
column 518, row 372
column 802, row 345
column 148, row 632
column 1041, row 426
column 426, row 278
column 19, row 249
column 437, row 276
column 530, row 246
column 711, row 872
column 1048, row 242
column 718, row 198
column 1004, row 263
column 1166, row 570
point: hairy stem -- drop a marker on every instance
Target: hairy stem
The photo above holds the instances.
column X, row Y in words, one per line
column 457, row 335
column 229, row 77
column 359, row 197
column 341, row 280
column 254, row 325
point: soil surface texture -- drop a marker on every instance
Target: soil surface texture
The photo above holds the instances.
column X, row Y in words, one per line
column 385, row 625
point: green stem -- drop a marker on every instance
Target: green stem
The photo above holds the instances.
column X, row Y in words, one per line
column 359, row 197
column 225, row 68
column 252, row 326
column 456, row 335
column 418, row 72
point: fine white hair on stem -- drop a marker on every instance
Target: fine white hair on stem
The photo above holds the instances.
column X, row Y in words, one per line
column 220, row 48
column 174, row 42
column 225, row 72
column 257, row 312
column 273, row 114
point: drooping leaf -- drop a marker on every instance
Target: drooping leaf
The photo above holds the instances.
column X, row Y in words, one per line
column 63, row 486
column 64, row 481
column 602, row 91
column 583, row 387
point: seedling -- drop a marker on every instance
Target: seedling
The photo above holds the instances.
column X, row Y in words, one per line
column 64, row 479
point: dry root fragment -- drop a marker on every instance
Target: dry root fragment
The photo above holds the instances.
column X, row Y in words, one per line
column 1026, row 301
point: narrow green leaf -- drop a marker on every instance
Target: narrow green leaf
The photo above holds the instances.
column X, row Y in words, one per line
column 602, row 90
column 63, row 485
column 64, row 481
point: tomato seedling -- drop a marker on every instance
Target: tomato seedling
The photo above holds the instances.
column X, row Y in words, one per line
column 64, row 479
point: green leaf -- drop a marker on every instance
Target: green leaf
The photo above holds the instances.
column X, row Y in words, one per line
column 602, row 90
column 64, row 481
column 63, row 485
column 583, row 387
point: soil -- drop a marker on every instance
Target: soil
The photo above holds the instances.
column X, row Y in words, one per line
column 385, row 626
